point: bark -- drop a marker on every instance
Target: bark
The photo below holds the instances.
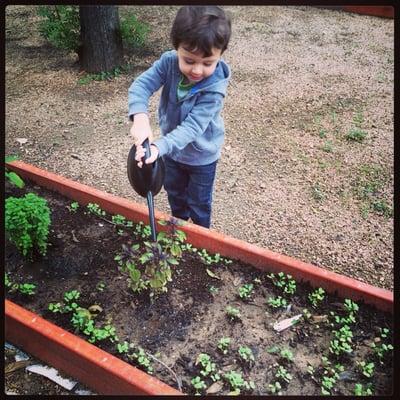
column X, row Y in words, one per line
column 101, row 43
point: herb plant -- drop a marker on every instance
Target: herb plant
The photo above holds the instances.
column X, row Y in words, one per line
column 245, row 291
column 198, row 384
column 237, row 383
column 232, row 313
column 27, row 221
column 246, row 354
column 316, row 297
column 223, row 344
column 284, row 282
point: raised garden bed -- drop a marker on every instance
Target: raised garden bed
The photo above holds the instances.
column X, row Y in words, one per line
column 175, row 327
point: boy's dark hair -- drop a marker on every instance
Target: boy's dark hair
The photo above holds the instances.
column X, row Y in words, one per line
column 201, row 28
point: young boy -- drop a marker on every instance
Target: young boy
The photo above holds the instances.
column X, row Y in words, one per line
column 194, row 80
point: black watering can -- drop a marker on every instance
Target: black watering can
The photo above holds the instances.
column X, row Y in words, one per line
column 147, row 181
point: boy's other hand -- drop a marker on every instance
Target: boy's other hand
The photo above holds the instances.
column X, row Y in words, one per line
column 141, row 151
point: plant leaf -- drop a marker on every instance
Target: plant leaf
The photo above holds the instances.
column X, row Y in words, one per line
column 15, row 179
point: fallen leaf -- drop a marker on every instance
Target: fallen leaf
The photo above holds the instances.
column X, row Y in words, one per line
column 16, row 366
column 52, row 374
column 319, row 318
column 215, row 387
column 74, row 237
column 212, row 274
column 21, row 140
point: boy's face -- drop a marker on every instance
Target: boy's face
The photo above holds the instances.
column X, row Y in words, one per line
column 194, row 66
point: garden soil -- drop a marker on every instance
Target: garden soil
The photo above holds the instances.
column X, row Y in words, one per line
column 303, row 78
column 190, row 318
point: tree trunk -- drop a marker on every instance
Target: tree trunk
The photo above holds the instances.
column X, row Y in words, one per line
column 101, row 42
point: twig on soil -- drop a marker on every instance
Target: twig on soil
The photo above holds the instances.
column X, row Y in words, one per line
column 177, row 378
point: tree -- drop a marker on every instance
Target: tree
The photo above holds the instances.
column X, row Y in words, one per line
column 101, row 46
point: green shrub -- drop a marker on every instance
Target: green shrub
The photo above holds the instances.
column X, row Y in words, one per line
column 133, row 32
column 60, row 26
column 27, row 223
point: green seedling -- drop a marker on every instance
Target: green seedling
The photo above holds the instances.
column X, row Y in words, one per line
column 282, row 374
column 233, row 313
column 223, row 344
column 27, row 288
column 275, row 388
column 213, row 290
column 142, row 359
column 359, row 389
column 198, row 384
column 284, row 282
column 246, row 291
column 123, row 347
column 95, row 209
column 277, row 302
column 73, row 207
column 380, row 348
column 367, row 369
column 246, row 354
column 342, row 342
column 208, row 367
column 237, row 383
column 287, row 355
column 316, row 297
column 101, row 286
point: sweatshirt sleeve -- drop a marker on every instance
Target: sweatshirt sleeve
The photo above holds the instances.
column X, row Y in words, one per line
column 147, row 83
column 193, row 126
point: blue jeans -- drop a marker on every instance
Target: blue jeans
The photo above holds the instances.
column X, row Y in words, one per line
column 189, row 189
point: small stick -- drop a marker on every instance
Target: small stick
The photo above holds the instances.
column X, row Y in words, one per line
column 178, row 380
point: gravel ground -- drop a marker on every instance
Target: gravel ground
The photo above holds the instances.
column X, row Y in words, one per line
column 289, row 180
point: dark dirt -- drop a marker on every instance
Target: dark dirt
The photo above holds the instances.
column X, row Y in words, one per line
column 189, row 319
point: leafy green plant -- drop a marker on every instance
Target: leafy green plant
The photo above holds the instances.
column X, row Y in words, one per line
column 284, row 282
column 356, row 135
column 73, row 207
column 380, row 348
column 232, row 313
column 316, row 297
column 133, row 31
column 24, row 288
column 246, row 291
column 286, row 355
column 60, row 26
column 275, row 388
column 27, row 222
column 359, row 389
column 173, row 238
column 12, row 176
column 282, row 374
column 141, row 358
column 342, row 342
column 330, row 375
column 223, row 344
column 277, row 302
column 237, row 383
column 246, row 354
column 123, row 347
column 198, row 384
column 367, row 369
column 208, row 367
column 95, row 209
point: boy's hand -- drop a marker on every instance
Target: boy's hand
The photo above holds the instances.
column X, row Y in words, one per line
column 141, row 129
column 141, row 151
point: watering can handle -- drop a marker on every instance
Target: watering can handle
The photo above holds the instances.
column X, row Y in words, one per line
column 146, row 145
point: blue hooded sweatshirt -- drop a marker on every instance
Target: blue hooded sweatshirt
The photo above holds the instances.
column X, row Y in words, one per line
column 192, row 129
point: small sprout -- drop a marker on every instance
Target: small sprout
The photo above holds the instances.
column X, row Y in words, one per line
column 283, row 281
column 213, row 290
column 360, row 391
column 100, row 286
column 366, row 369
column 316, row 297
column 277, row 302
column 286, row 354
column 232, row 313
column 275, row 388
column 198, row 384
column 123, row 348
column 245, row 291
column 73, row 207
column 283, row 374
column 246, row 354
column 223, row 344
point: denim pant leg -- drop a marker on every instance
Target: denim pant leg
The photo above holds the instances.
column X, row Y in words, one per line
column 175, row 184
column 200, row 190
